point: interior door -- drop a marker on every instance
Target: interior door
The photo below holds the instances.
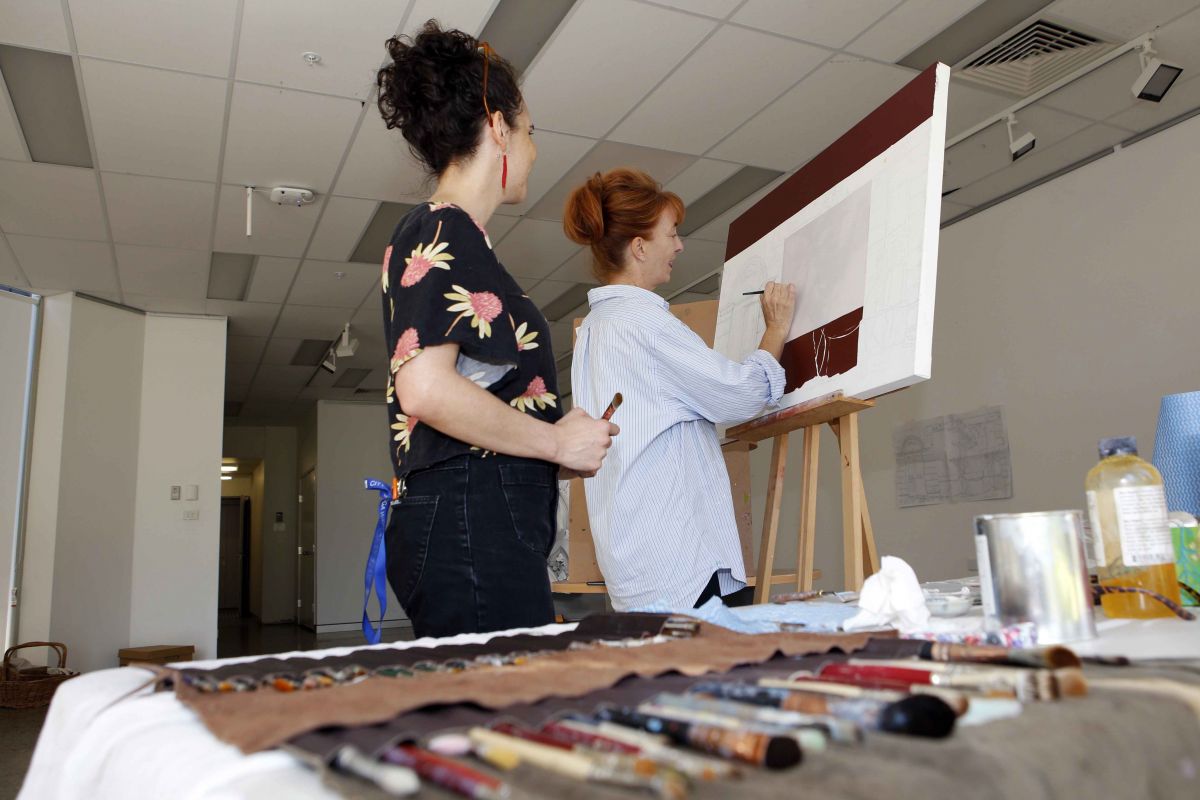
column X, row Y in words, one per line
column 306, row 552
column 229, row 581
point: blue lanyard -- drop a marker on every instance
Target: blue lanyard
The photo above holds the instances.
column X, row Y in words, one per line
column 376, row 575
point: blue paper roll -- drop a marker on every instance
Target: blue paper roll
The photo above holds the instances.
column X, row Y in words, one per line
column 1177, row 450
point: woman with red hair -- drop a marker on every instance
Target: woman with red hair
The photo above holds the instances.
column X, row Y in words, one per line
column 660, row 510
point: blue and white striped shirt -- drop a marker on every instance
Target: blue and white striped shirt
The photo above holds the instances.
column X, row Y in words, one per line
column 660, row 508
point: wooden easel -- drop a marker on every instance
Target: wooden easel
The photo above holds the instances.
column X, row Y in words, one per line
column 841, row 414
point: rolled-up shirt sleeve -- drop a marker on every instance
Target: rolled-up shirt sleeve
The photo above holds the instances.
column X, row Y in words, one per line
column 699, row 382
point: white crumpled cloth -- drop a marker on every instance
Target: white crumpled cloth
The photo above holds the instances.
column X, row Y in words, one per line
column 891, row 597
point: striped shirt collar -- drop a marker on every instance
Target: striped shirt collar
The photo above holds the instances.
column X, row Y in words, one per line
column 625, row 293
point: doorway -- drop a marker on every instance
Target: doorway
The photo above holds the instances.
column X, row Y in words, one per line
column 306, row 553
column 233, row 582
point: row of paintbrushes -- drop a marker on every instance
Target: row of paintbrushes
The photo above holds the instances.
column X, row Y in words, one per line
column 672, row 740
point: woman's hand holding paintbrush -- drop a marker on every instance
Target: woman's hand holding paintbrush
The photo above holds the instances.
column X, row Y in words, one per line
column 778, row 303
column 582, row 442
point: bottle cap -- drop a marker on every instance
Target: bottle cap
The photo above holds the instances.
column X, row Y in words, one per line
column 1118, row 446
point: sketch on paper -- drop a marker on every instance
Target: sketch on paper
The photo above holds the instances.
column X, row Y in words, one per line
column 856, row 230
column 958, row 457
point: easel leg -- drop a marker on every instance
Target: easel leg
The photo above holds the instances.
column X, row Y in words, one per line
column 852, row 504
column 808, row 509
column 766, row 553
column 872, row 554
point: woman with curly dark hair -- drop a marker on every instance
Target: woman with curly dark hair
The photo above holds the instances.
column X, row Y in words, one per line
column 478, row 438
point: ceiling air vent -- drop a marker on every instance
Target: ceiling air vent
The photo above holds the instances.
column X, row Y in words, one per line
column 1033, row 58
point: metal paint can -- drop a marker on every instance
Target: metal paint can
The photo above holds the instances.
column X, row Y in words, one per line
column 1032, row 569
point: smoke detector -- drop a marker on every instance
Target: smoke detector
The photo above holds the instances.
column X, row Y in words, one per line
column 292, row 197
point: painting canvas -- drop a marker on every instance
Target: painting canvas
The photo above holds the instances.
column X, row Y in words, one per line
column 856, row 231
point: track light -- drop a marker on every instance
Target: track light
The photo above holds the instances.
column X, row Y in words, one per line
column 1020, row 144
column 346, row 346
column 1157, row 77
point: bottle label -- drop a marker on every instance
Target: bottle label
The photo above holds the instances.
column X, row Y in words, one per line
column 987, row 590
column 1142, row 520
column 1093, row 537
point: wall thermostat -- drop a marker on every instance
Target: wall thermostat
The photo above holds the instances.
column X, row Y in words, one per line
column 295, row 197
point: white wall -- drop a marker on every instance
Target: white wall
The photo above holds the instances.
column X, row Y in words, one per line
column 175, row 561
column 1073, row 306
column 352, row 444
column 16, row 316
column 126, row 402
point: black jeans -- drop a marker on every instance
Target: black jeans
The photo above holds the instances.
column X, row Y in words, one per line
column 742, row 597
column 468, row 542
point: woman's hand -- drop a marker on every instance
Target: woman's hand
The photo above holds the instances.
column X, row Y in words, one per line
column 582, row 442
column 778, row 303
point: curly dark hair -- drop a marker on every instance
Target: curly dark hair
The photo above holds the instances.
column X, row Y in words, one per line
column 433, row 92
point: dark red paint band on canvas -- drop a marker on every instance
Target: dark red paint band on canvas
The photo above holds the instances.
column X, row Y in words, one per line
column 832, row 349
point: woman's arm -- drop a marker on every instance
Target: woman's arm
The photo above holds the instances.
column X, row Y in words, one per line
column 778, row 303
column 430, row 389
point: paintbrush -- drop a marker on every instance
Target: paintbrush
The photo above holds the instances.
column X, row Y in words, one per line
column 907, row 679
column 612, row 407
column 447, row 773
column 395, row 781
column 652, row 746
column 750, row 747
column 810, row 730
column 1025, row 683
column 502, row 749
column 915, row 715
column 1055, row 657
column 809, row 683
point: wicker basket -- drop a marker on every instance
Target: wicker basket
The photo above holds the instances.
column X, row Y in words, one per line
column 31, row 688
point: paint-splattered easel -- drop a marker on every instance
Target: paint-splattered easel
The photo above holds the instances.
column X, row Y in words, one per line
column 841, row 415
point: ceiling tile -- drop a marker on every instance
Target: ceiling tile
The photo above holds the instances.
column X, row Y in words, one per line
column 718, row 9
column 240, row 373
column 661, row 165
column 577, row 269
column 967, row 106
column 1040, row 163
column 341, row 226
column 281, row 349
column 556, row 154
column 910, row 25
column 1101, row 93
column 49, row 200
column 546, row 291
column 276, row 34
column 277, row 230
column 832, row 23
column 244, row 349
column 1184, row 96
column 279, row 137
column 159, row 211
column 813, row 115
column 951, row 210
column 380, row 167
column 718, row 229
column 65, row 264
column 105, row 29
column 499, row 226
column 312, row 322
column 10, row 272
column 12, row 140
column 154, row 122
column 466, row 15
column 283, row 376
column 163, row 271
column 987, row 151
column 318, row 284
column 700, row 177
column 534, row 249
column 245, row 319
column 34, row 23
column 728, row 78
column 1120, row 20
column 271, row 278
column 604, row 44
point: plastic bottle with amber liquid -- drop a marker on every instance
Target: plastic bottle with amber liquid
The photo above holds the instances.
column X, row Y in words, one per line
column 1132, row 537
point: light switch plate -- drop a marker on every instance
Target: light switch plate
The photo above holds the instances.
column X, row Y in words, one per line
column 175, row 492
column 191, row 492
column 191, row 514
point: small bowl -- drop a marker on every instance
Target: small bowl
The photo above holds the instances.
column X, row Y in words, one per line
column 948, row 605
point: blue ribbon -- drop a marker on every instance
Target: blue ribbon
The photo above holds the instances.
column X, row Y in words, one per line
column 376, row 575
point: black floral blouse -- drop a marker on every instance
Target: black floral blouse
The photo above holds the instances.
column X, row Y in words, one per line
column 442, row 283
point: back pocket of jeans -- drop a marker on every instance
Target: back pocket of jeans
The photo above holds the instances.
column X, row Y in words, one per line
column 531, row 494
column 408, row 533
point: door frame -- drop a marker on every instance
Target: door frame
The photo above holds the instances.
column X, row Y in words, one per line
column 299, row 548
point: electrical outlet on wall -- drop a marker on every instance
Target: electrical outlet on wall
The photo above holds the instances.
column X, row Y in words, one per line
column 191, row 514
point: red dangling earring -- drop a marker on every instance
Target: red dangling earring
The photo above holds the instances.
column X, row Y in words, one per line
column 504, row 173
